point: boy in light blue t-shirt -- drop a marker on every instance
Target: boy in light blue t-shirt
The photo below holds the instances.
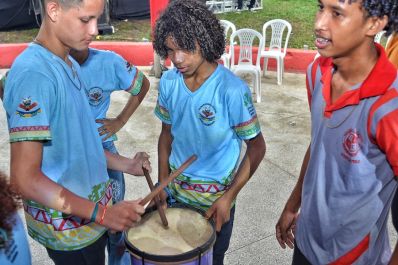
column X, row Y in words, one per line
column 205, row 110
column 105, row 72
column 57, row 160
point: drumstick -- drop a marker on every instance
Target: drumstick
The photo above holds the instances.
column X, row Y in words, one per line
column 157, row 200
column 165, row 182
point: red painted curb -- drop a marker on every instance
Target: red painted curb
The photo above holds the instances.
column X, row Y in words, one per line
column 141, row 54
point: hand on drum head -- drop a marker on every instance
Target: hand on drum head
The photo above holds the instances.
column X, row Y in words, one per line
column 123, row 215
column 220, row 211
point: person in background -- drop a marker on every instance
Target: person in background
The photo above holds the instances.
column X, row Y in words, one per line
column 105, row 72
column 205, row 110
column 249, row 6
column 392, row 49
column 14, row 247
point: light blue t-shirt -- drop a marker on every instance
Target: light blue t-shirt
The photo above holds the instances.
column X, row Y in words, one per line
column 45, row 100
column 210, row 123
column 105, row 72
column 16, row 251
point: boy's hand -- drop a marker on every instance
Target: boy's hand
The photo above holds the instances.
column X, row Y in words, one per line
column 285, row 228
column 109, row 127
column 140, row 160
column 122, row 215
column 220, row 211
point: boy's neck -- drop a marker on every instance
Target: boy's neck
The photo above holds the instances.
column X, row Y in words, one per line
column 48, row 40
column 350, row 71
column 204, row 71
column 355, row 69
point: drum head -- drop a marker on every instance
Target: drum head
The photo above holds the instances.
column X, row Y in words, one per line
column 188, row 235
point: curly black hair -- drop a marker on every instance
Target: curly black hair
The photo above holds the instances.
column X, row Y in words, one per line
column 380, row 8
column 189, row 22
column 9, row 204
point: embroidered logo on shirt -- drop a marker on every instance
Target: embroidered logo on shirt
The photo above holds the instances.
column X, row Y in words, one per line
column 249, row 104
column 27, row 108
column 95, row 96
column 207, row 114
column 352, row 142
column 129, row 67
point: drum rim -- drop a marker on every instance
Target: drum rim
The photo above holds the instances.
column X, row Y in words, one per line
column 180, row 257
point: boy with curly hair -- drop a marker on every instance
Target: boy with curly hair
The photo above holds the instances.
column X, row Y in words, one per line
column 14, row 247
column 205, row 110
column 348, row 176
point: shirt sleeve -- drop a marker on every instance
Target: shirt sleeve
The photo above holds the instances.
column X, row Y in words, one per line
column 161, row 109
column 387, row 137
column 28, row 106
column 128, row 77
column 243, row 116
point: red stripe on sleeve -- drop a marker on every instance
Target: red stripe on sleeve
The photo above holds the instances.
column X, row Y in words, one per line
column 387, row 138
column 390, row 94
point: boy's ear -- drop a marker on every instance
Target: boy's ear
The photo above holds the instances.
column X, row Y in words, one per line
column 52, row 8
column 376, row 24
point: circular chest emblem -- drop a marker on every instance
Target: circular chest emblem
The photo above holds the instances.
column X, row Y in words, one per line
column 95, row 96
column 207, row 114
column 352, row 142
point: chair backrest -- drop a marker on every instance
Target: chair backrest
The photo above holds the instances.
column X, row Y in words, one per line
column 245, row 39
column 228, row 26
column 378, row 36
column 276, row 41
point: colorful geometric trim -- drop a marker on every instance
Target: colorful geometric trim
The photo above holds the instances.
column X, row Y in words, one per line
column 198, row 193
column 136, row 85
column 30, row 133
column 162, row 113
column 61, row 222
column 248, row 129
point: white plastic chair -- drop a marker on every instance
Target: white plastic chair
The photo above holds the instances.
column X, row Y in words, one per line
column 245, row 64
column 228, row 26
column 378, row 36
column 277, row 46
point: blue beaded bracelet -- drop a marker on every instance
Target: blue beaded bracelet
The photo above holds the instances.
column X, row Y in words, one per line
column 94, row 214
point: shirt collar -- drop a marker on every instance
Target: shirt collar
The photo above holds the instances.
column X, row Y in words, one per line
column 377, row 83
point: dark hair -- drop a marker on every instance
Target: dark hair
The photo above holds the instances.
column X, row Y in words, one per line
column 9, row 203
column 189, row 22
column 64, row 3
column 380, row 8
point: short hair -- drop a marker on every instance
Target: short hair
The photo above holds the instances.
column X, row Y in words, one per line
column 380, row 8
column 189, row 22
column 64, row 3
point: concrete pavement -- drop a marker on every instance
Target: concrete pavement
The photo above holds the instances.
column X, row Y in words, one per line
column 285, row 121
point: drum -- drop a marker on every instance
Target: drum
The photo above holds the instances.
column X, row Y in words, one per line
column 188, row 240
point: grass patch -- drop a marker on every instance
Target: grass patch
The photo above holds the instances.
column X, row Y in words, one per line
column 300, row 13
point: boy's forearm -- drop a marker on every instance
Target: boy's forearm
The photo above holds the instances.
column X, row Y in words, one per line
column 254, row 154
column 164, row 150
column 32, row 184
